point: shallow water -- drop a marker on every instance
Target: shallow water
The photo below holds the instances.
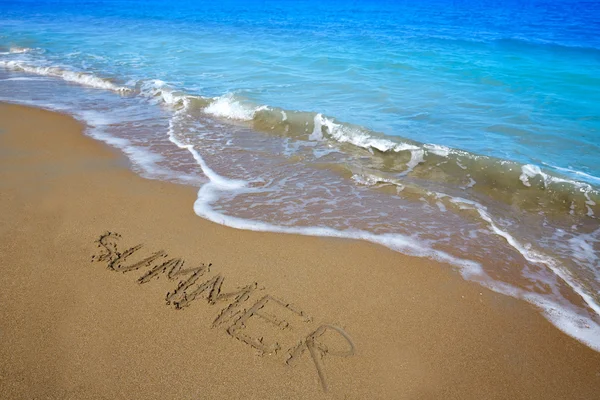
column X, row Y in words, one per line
column 464, row 132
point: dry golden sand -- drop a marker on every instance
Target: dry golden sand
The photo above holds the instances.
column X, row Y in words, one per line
column 74, row 329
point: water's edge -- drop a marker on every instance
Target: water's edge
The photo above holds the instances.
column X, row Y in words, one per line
column 579, row 199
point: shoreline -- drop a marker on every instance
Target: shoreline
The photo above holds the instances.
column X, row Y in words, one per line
column 73, row 327
column 511, row 254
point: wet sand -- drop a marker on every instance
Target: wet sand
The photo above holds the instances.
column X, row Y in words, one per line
column 202, row 311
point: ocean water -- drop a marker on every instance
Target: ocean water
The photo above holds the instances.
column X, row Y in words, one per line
column 463, row 131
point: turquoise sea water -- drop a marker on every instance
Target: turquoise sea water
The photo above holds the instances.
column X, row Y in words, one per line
column 519, row 80
column 464, row 131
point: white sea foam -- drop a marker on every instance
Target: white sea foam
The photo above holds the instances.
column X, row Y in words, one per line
column 228, row 106
column 570, row 171
column 580, row 327
column 570, row 322
column 441, row 206
column 208, row 172
column 460, row 165
column 19, row 50
column 437, row 149
column 358, row 137
column 472, row 182
column 582, row 247
column 322, row 152
column 24, row 78
column 147, row 161
column 367, row 179
column 80, row 78
column 16, row 50
column 530, row 171
column 159, row 90
column 530, row 254
column 416, row 157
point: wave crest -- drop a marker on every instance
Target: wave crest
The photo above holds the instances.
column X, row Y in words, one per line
column 81, row 78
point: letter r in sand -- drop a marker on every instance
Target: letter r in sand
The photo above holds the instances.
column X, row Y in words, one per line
column 315, row 343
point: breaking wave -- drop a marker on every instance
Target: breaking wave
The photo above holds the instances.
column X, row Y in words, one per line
column 465, row 170
column 81, row 78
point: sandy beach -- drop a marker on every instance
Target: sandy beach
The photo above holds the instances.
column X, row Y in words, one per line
column 112, row 287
